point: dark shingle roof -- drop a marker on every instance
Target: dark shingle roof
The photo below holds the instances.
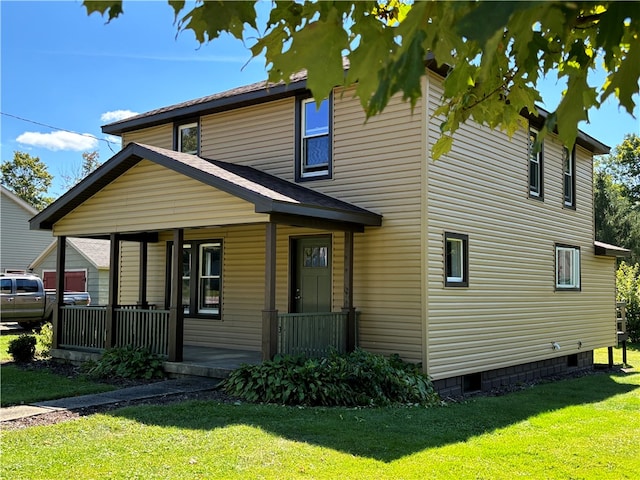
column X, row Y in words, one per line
column 233, row 98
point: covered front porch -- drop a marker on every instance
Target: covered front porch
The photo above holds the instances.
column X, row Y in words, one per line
column 172, row 210
column 84, row 329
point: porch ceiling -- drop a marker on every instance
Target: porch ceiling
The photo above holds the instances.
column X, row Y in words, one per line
column 284, row 201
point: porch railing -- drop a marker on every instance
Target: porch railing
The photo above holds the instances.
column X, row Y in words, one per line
column 85, row 328
column 143, row 328
column 312, row 334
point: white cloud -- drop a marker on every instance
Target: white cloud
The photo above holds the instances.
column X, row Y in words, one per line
column 113, row 139
column 116, row 115
column 59, row 140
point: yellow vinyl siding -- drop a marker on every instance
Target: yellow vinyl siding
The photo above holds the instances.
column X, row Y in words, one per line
column 129, row 281
column 130, row 273
column 510, row 313
column 150, row 197
column 376, row 166
column 261, row 136
column 159, row 136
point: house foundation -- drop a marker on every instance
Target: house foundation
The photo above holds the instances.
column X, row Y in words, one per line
column 501, row 378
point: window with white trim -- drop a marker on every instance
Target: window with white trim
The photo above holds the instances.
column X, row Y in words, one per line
column 456, row 260
column 569, row 166
column 567, row 267
column 201, row 277
column 187, row 138
column 535, row 165
column 314, row 145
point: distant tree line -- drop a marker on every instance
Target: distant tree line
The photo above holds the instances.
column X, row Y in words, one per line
column 28, row 177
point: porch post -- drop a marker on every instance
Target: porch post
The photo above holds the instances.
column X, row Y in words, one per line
column 114, row 273
column 348, row 307
column 61, row 254
column 176, row 310
column 142, row 281
column 270, row 314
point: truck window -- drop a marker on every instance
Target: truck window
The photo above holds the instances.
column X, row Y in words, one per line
column 5, row 285
column 25, row 285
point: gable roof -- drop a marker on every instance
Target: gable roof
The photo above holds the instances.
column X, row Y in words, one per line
column 30, row 209
column 95, row 251
column 243, row 96
column 265, row 91
column 270, row 194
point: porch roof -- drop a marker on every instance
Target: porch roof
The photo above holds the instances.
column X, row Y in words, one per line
column 284, row 201
column 607, row 250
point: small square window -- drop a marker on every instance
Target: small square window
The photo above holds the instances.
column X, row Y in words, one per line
column 567, row 267
column 456, row 260
column 187, row 138
column 313, row 151
column 535, row 165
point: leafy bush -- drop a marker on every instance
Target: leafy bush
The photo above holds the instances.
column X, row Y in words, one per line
column 44, row 339
column 359, row 378
column 628, row 288
column 23, row 348
column 126, row 362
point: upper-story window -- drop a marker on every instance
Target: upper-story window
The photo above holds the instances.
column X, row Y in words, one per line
column 187, row 138
column 569, row 167
column 535, row 165
column 313, row 143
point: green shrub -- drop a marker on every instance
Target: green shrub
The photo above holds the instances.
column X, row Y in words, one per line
column 23, row 348
column 44, row 339
column 126, row 362
column 359, row 378
column 628, row 290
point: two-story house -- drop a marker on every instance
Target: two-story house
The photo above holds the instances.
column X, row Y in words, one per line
column 256, row 220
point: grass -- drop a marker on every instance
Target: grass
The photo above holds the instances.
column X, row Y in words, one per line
column 586, row 427
column 4, row 346
column 601, row 355
column 22, row 386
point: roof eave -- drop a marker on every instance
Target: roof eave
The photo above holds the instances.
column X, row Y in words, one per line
column 267, row 93
column 102, row 176
column 584, row 140
column 364, row 218
column 606, row 250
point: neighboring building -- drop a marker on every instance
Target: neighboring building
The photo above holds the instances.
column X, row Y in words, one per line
column 19, row 245
column 481, row 265
column 86, row 267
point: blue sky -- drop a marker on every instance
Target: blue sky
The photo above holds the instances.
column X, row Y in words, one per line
column 73, row 72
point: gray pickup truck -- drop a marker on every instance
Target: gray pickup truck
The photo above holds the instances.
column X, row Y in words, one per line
column 23, row 299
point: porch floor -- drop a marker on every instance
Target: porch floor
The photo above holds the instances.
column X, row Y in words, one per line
column 210, row 361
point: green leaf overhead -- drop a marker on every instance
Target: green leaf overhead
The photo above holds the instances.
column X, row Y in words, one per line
column 494, row 53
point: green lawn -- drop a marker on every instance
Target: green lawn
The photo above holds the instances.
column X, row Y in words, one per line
column 20, row 386
column 4, row 345
column 27, row 386
column 587, row 427
column 601, row 355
